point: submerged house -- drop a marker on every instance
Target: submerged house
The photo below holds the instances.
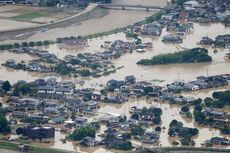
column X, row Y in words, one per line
column 172, row 39
column 113, row 84
column 38, row 132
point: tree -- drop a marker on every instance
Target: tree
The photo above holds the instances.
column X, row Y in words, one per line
column 208, row 101
column 185, row 109
column 6, row 86
column 137, row 130
column 148, row 89
column 63, row 69
column 156, row 120
column 197, row 101
column 198, row 108
column 16, row 45
column 199, row 116
column 158, row 129
column 84, row 131
column 46, row 42
column 19, row 131
column 25, row 44
column 73, row 116
column 126, row 136
column 84, row 73
column 127, row 145
column 4, row 125
column 38, row 43
column 31, row 44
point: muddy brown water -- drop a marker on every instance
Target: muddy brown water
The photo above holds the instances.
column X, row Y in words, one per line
column 167, row 73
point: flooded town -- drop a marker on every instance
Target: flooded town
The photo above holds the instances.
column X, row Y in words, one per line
column 105, row 76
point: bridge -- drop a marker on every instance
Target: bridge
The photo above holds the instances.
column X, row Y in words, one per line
column 130, row 7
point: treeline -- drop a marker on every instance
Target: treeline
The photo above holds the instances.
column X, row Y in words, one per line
column 25, row 44
column 195, row 55
column 36, row 43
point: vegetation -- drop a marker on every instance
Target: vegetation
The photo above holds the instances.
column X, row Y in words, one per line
column 137, row 130
column 6, row 86
column 23, row 88
column 194, row 55
column 152, row 111
column 126, row 145
column 30, row 16
column 84, row 131
column 176, row 128
column 4, row 125
column 63, row 69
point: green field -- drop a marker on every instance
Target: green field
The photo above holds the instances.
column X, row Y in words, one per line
column 30, row 16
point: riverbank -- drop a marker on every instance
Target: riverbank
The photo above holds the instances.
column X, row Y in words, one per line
column 107, row 24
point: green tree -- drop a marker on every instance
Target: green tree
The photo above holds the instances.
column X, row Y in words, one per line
column 137, row 130
column 19, row 130
column 84, row 131
column 185, row 109
column 25, row 44
column 17, row 45
column 4, row 125
column 31, row 44
column 84, row 73
column 6, row 86
column 38, row 43
column 46, row 42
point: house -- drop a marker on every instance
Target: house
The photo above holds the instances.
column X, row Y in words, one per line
column 190, row 5
column 79, row 121
column 175, row 88
column 172, row 38
column 201, row 84
column 114, row 99
column 46, row 89
column 191, row 86
column 38, row 132
column 10, row 62
column 41, row 118
column 57, row 119
column 150, row 137
column 72, row 103
column 213, row 113
column 64, row 91
column 206, row 41
column 19, row 115
column 113, row 84
column 51, row 110
column 130, row 79
column 88, row 142
column 219, row 141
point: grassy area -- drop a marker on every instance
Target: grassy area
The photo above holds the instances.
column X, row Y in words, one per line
column 101, row 34
column 30, row 16
column 32, row 149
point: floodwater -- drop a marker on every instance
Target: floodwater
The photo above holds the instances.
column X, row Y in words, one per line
column 185, row 72
column 167, row 73
column 114, row 19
